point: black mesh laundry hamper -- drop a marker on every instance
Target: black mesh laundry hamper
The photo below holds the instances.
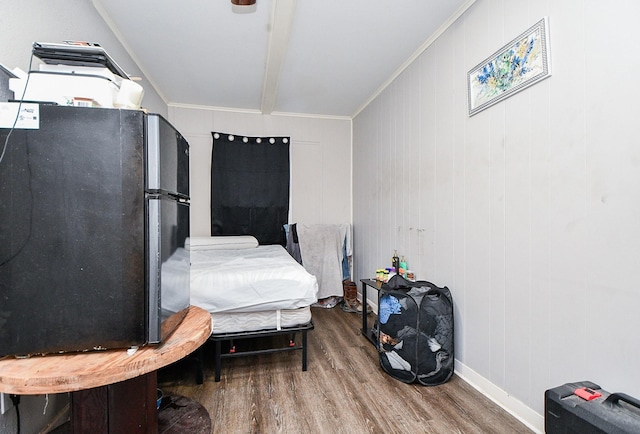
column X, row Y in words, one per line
column 415, row 331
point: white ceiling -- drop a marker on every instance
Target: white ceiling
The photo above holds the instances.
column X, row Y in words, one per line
column 320, row 57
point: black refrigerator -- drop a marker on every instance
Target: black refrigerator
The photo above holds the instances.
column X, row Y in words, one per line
column 94, row 214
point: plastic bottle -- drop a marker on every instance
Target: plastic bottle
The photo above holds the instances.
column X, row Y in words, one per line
column 403, row 268
column 395, row 261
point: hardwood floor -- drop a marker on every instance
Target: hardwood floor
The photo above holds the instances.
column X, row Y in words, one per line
column 344, row 390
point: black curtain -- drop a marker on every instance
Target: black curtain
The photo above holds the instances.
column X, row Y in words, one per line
column 250, row 186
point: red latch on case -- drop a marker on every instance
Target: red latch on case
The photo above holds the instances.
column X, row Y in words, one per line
column 586, row 393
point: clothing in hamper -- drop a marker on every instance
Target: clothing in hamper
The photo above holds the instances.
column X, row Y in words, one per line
column 415, row 331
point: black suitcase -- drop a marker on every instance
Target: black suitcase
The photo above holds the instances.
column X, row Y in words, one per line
column 585, row 408
column 415, row 331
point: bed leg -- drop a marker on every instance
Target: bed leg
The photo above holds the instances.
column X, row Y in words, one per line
column 304, row 350
column 218, row 359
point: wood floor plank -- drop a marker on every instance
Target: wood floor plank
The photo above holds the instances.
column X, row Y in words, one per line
column 344, row 390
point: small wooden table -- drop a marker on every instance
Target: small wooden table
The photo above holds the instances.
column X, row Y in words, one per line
column 112, row 391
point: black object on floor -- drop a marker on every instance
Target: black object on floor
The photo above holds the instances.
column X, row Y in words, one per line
column 179, row 414
column 584, row 407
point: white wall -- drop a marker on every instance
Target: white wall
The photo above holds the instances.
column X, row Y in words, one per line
column 529, row 211
column 320, row 160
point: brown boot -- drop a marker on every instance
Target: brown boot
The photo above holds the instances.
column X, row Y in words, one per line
column 350, row 296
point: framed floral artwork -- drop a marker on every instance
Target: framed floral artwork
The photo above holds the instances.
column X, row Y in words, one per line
column 519, row 64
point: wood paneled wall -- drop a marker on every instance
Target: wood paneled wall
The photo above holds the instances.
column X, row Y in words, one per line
column 530, row 210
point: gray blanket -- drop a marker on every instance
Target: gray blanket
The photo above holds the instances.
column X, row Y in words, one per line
column 322, row 251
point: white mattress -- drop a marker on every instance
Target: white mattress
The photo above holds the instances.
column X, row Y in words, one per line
column 265, row 278
column 175, row 278
column 230, row 322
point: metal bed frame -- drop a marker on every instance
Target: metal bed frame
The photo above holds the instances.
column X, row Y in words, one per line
column 220, row 337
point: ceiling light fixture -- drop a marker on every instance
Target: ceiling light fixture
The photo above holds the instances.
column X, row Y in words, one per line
column 243, row 6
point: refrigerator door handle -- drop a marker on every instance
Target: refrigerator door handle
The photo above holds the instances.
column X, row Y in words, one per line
column 154, row 263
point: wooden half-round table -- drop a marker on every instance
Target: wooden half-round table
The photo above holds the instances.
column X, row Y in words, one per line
column 112, row 391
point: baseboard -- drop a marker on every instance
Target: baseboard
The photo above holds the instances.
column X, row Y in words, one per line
column 510, row 404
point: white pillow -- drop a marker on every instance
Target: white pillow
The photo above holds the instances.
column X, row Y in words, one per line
column 222, row 242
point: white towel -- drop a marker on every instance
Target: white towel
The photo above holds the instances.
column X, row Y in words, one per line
column 321, row 248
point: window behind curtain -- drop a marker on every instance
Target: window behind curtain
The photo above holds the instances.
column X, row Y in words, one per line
column 250, row 186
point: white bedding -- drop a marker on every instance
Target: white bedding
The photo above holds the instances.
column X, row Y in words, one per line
column 233, row 322
column 250, row 280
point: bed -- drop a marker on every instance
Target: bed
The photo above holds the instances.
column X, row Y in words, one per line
column 250, row 291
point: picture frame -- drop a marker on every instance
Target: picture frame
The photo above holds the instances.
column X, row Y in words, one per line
column 524, row 61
